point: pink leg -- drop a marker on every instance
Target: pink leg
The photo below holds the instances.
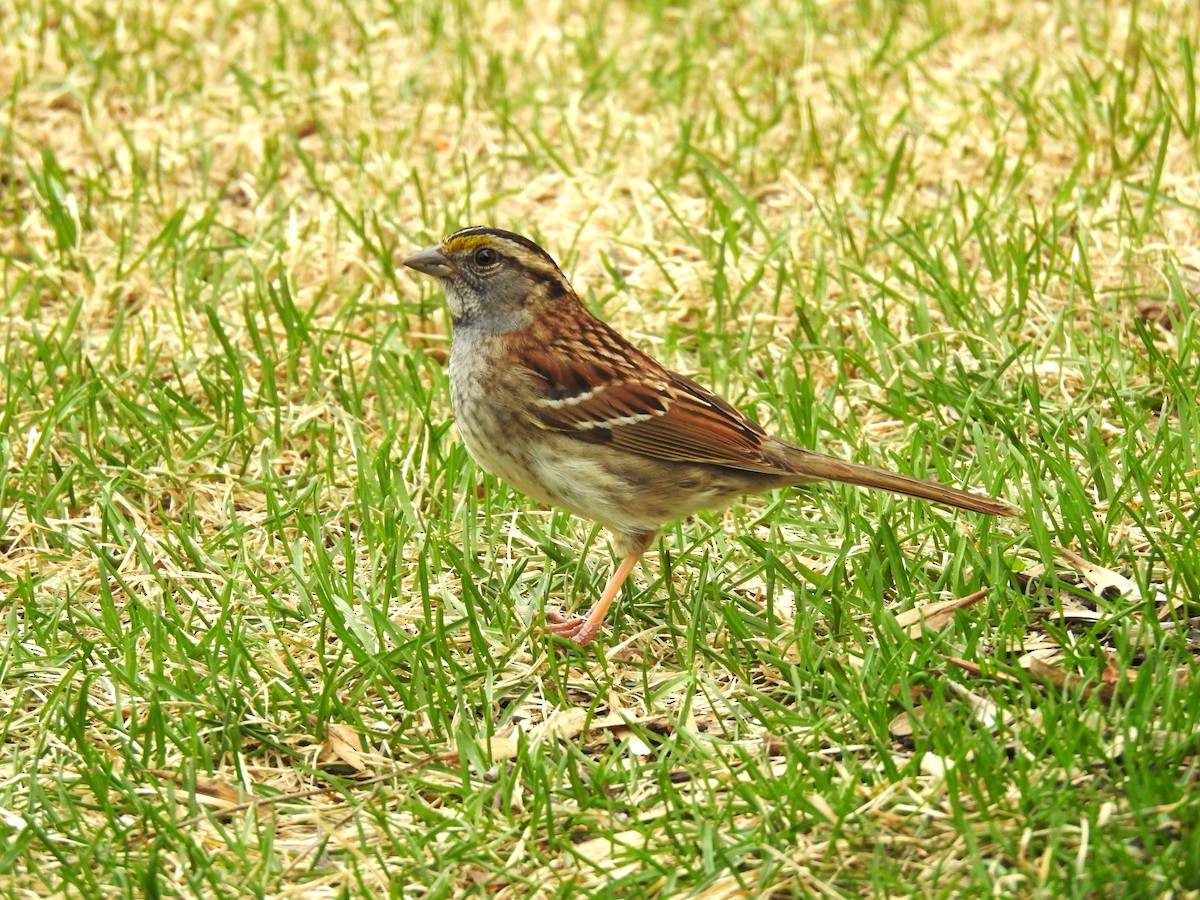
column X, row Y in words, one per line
column 585, row 628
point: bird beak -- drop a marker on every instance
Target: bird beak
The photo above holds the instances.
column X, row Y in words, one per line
column 430, row 262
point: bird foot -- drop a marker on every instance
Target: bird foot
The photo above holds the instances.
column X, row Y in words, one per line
column 575, row 629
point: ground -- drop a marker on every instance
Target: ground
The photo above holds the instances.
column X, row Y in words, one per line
column 267, row 629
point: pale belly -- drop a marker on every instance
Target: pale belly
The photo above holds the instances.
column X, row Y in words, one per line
column 625, row 492
column 553, row 471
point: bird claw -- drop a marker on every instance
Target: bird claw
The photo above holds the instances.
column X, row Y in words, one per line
column 569, row 628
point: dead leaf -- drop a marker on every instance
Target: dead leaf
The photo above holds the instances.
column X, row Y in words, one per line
column 212, row 792
column 1060, row 678
column 1103, row 582
column 933, row 764
column 563, row 725
column 976, row 669
column 340, row 752
column 499, row 748
column 1167, row 606
column 1111, row 674
column 983, row 709
column 602, row 851
column 1068, row 615
column 935, row 616
column 916, row 692
column 1156, row 311
column 632, row 740
column 1046, row 655
column 822, row 806
column 903, row 726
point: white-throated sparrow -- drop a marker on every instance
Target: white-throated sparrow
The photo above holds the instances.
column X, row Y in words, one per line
column 552, row 400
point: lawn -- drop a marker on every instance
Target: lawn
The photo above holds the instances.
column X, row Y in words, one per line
column 265, row 628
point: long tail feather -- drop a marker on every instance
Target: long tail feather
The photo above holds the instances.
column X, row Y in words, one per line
column 819, row 467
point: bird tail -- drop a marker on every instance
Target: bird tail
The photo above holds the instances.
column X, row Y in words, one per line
column 818, row 467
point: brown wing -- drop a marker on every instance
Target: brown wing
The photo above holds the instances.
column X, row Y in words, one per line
column 631, row 402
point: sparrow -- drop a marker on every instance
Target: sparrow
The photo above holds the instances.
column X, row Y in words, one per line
column 558, row 404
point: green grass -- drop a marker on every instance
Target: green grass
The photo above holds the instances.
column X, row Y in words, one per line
column 237, row 527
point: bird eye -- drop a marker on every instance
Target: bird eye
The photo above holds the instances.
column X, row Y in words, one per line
column 486, row 257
